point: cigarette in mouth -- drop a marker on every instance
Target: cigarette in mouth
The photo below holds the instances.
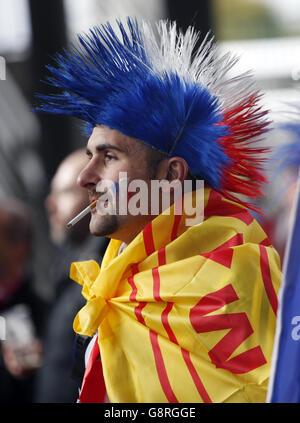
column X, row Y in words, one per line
column 83, row 213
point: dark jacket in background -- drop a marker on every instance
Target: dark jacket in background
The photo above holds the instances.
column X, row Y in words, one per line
column 54, row 382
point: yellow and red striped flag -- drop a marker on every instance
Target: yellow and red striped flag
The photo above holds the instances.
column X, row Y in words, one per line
column 185, row 314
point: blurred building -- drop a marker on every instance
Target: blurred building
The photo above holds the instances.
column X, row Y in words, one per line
column 265, row 35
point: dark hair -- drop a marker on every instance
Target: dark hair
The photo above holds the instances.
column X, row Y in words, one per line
column 154, row 157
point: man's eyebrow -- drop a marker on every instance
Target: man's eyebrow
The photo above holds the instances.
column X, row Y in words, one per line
column 107, row 146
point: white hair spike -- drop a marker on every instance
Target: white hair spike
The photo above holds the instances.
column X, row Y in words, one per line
column 210, row 67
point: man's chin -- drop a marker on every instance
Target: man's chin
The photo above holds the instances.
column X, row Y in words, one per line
column 104, row 225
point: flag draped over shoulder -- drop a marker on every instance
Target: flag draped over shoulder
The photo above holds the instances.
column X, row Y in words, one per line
column 284, row 385
column 185, row 313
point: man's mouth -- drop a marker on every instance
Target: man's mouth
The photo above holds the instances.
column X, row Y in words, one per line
column 100, row 198
column 95, row 196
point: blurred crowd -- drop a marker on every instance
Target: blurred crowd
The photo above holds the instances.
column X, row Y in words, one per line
column 36, row 355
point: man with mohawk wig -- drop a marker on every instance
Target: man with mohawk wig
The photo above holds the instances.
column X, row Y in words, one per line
column 177, row 312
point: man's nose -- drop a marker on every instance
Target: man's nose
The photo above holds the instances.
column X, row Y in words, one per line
column 88, row 177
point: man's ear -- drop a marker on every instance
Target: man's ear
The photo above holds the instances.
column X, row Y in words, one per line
column 172, row 169
column 177, row 169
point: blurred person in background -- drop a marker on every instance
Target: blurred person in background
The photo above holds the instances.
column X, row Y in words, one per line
column 284, row 384
column 284, row 166
column 65, row 200
column 20, row 306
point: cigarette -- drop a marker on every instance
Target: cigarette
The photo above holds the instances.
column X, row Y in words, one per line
column 81, row 215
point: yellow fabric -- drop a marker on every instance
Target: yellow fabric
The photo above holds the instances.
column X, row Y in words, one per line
column 156, row 344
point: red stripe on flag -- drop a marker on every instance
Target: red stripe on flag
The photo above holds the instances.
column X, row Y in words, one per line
column 156, row 284
column 266, row 242
column 132, row 284
column 162, row 256
column 155, row 274
column 138, row 309
column 165, row 322
column 218, row 207
column 138, row 312
column 193, row 372
column 223, row 254
column 161, row 369
column 93, row 386
column 159, row 363
column 266, row 275
column 171, row 335
column 160, row 366
column 148, row 239
column 199, row 385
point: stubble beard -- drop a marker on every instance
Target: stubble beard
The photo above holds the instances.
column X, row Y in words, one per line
column 103, row 225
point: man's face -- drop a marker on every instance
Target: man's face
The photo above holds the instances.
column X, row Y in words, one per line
column 110, row 152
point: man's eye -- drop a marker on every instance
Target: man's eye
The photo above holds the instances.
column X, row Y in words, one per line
column 109, row 157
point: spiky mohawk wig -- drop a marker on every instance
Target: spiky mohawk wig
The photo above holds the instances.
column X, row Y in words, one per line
column 177, row 100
